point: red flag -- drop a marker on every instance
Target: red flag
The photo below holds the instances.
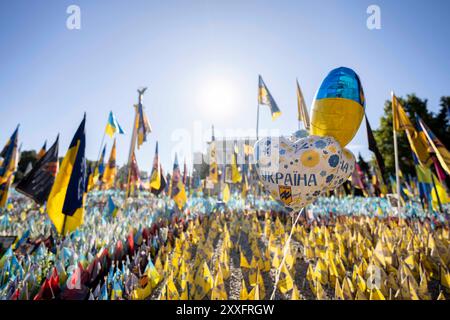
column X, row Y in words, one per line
column 130, row 241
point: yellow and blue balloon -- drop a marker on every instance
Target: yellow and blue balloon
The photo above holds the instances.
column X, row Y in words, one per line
column 338, row 107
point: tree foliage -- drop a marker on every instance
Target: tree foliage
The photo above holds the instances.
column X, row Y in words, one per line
column 26, row 157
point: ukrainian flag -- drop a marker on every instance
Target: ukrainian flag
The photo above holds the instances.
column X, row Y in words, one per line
column 8, row 166
column 155, row 179
column 89, row 179
column 110, row 171
column 417, row 139
column 112, row 208
column 178, row 193
column 113, row 125
column 442, row 154
column 100, row 168
column 265, row 98
column 143, row 126
column 65, row 204
column 42, row 151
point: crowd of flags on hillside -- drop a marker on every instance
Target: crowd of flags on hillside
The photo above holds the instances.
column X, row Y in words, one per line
column 62, row 187
column 147, row 251
column 427, row 152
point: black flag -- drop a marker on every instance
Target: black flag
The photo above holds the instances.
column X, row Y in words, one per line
column 39, row 181
column 373, row 147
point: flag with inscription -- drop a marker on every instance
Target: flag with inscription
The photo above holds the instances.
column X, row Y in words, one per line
column 38, row 183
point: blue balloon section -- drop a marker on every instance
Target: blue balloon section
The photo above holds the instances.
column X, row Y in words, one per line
column 342, row 83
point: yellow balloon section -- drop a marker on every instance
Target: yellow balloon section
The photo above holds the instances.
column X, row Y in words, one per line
column 338, row 108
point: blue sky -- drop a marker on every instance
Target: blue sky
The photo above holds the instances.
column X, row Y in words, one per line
column 189, row 53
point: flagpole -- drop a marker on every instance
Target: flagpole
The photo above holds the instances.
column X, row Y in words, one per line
column 298, row 106
column 397, row 170
column 64, row 225
column 101, row 146
column 130, row 154
column 257, row 122
column 133, row 139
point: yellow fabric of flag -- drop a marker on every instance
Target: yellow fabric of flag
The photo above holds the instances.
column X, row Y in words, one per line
column 226, row 193
column 302, row 108
column 203, row 282
column 109, row 176
column 265, row 98
column 65, row 205
column 218, row 291
column 417, row 140
column 236, row 176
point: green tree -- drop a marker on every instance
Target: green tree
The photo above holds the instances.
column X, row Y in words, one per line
column 441, row 123
column 26, row 157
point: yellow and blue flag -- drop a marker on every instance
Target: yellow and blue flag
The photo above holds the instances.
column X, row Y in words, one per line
column 265, row 98
column 100, row 167
column 112, row 207
column 104, row 292
column 8, row 166
column 178, row 193
column 442, row 154
column 42, row 151
column 65, row 202
column 117, row 290
column 152, row 274
column 417, row 139
column 155, row 178
column 430, row 188
column 90, row 178
column 143, row 126
column 113, row 126
column 4, row 151
column 110, row 172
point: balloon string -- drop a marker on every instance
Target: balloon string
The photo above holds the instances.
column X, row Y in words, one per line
column 286, row 246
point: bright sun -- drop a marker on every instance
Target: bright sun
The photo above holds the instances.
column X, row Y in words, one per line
column 217, row 97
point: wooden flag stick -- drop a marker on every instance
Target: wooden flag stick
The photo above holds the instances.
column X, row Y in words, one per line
column 286, row 247
column 133, row 139
column 397, row 169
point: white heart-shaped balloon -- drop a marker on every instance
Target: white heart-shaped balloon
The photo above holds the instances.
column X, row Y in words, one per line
column 295, row 173
column 345, row 169
column 299, row 134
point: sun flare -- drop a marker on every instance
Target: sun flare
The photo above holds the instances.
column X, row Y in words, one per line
column 218, row 97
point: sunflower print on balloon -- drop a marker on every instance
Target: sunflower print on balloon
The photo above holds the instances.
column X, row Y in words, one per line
column 295, row 173
column 310, row 158
column 345, row 169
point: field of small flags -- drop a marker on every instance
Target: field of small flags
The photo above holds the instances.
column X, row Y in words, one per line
column 237, row 251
